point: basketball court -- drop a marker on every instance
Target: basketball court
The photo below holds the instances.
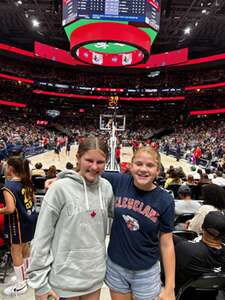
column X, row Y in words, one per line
column 50, row 158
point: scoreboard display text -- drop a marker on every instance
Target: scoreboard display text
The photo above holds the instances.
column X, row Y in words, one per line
column 143, row 11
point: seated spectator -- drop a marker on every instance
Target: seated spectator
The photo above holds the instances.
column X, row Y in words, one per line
column 185, row 204
column 219, row 180
column 38, row 171
column 181, row 173
column 213, row 200
column 204, row 179
column 51, row 176
column 173, row 178
column 197, row 178
column 168, row 172
column 196, row 258
column 51, row 173
column 190, row 180
column 209, row 173
column 69, row 166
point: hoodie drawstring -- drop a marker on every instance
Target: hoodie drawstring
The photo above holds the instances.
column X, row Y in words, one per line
column 86, row 195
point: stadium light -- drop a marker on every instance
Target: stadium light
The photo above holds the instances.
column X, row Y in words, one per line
column 187, row 30
column 35, row 23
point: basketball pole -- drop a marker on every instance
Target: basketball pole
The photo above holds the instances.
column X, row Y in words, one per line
column 112, row 142
column 113, row 165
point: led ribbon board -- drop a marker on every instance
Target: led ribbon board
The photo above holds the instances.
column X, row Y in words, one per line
column 112, row 33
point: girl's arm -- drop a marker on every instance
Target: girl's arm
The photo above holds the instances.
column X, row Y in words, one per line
column 41, row 250
column 168, row 259
column 10, row 206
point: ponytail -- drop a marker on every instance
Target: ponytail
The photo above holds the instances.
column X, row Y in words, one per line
column 26, row 179
column 21, row 169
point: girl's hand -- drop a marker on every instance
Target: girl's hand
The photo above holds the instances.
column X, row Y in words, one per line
column 51, row 295
column 166, row 295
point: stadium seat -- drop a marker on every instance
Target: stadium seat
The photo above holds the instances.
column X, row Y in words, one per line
column 38, row 202
column 39, row 185
column 183, row 218
column 208, row 282
column 186, row 234
column 174, row 188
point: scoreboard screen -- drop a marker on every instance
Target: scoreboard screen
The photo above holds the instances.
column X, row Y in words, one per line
column 147, row 11
column 152, row 13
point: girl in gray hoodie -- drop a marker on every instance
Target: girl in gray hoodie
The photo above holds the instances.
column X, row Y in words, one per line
column 68, row 251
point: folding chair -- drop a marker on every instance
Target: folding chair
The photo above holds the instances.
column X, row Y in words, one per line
column 38, row 202
column 186, row 234
column 205, row 283
column 183, row 218
column 39, row 185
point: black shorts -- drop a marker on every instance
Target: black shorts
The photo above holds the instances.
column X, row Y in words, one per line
column 17, row 232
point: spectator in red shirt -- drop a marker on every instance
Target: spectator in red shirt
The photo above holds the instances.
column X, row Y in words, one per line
column 197, row 154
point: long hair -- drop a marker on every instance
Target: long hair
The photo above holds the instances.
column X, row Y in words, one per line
column 21, row 169
column 51, row 173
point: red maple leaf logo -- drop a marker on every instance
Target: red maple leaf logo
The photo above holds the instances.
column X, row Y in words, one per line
column 93, row 214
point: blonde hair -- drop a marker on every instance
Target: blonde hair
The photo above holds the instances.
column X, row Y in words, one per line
column 149, row 150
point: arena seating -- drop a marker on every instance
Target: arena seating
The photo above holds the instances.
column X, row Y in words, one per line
column 186, row 234
column 183, row 218
column 206, row 284
column 39, row 185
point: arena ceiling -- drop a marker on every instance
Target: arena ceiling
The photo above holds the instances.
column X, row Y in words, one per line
column 204, row 17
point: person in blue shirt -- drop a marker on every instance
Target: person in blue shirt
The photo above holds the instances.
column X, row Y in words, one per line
column 141, row 229
column 20, row 219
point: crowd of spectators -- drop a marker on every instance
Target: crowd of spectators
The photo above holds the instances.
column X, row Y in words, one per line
column 208, row 135
column 21, row 130
column 198, row 140
column 64, row 74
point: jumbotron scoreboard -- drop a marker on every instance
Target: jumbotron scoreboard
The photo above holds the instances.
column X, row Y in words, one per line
column 147, row 11
column 122, row 30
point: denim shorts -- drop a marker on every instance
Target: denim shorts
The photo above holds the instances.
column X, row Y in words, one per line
column 143, row 285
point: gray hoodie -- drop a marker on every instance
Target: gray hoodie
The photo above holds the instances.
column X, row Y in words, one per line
column 68, row 251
